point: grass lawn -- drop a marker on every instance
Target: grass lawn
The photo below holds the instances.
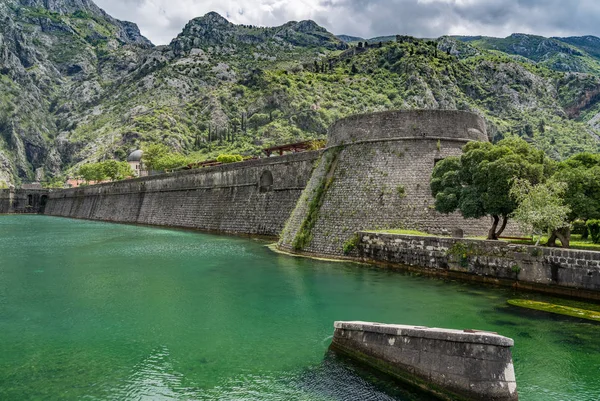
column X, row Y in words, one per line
column 405, row 232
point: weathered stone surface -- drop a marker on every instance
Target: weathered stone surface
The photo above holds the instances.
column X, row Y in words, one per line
column 380, row 175
column 408, row 124
column 23, row 200
column 226, row 198
column 571, row 269
column 453, row 364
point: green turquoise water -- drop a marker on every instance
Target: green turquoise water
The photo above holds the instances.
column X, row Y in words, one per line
column 98, row 311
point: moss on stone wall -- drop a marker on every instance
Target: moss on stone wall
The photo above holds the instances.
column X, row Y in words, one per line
column 304, row 237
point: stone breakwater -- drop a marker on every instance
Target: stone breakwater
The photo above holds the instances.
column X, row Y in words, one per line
column 452, row 364
column 567, row 272
column 253, row 197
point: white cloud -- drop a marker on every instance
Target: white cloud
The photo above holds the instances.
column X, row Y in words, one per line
column 162, row 20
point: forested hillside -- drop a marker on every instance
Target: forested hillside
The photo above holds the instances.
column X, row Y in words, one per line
column 77, row 85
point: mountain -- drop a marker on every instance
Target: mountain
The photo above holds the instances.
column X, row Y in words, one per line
column 348, row 38
column 77, row 85
column 560, row 54
column 589, row 44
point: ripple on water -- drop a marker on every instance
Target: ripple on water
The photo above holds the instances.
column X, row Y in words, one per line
column 136, row 313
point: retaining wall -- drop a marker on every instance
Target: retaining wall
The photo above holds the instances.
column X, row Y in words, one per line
column 554, row 270
column 253, row 197
column 452, row 364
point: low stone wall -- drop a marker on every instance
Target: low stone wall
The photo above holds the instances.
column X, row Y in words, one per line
column 452, row 364
column 253, row 197
column 553, row 270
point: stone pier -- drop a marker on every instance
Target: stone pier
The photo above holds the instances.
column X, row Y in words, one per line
column 451, row 364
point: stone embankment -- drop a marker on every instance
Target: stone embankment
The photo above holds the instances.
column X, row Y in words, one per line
column 451, row 364
column 567, row 272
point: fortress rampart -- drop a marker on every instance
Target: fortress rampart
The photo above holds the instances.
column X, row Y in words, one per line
column 375, row 174
column 407, row 125
column 254, row 197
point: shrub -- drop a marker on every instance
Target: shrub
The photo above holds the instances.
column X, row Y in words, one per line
column 594, row 230
column 229, row 158
column 351, row 244
column 580, row 228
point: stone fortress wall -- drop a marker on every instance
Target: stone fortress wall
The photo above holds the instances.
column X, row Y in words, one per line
column 253, row 197
column 375, row 174
column 23, row 200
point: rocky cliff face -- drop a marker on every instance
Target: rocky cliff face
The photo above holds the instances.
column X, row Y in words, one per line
column 55, row 59
column 77, row 85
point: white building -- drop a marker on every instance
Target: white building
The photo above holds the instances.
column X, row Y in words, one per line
column 136, row 163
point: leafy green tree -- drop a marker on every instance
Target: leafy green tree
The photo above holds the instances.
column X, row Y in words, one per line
column 152, row 153
column 125, row 171
column 111, row 169
column 581, row 173
column 541, row 208
column 55, row 183
column 171, row 161
column 478, row 183
column 92, row 172
column 594, row 228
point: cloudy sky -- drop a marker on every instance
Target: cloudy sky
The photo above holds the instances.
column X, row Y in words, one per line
column 162, row 20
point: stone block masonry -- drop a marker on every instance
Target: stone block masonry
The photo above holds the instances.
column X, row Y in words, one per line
column 23, row 200
column 452, row 364
column 375, row 174
column 569, row 272
column 253, row 197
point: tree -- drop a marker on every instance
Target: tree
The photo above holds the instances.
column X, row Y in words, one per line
column 541, row 208
column 581, row 174
column 354, row 70
column 92, row 172
column 171, row 161
column 111, row 169
column 478, row 183
column 152, row 153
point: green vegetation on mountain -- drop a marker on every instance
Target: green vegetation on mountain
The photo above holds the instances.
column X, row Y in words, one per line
column 78, row 86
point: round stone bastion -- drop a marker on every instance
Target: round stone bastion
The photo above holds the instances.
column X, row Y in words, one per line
column 408, row 124
column 375, row 174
